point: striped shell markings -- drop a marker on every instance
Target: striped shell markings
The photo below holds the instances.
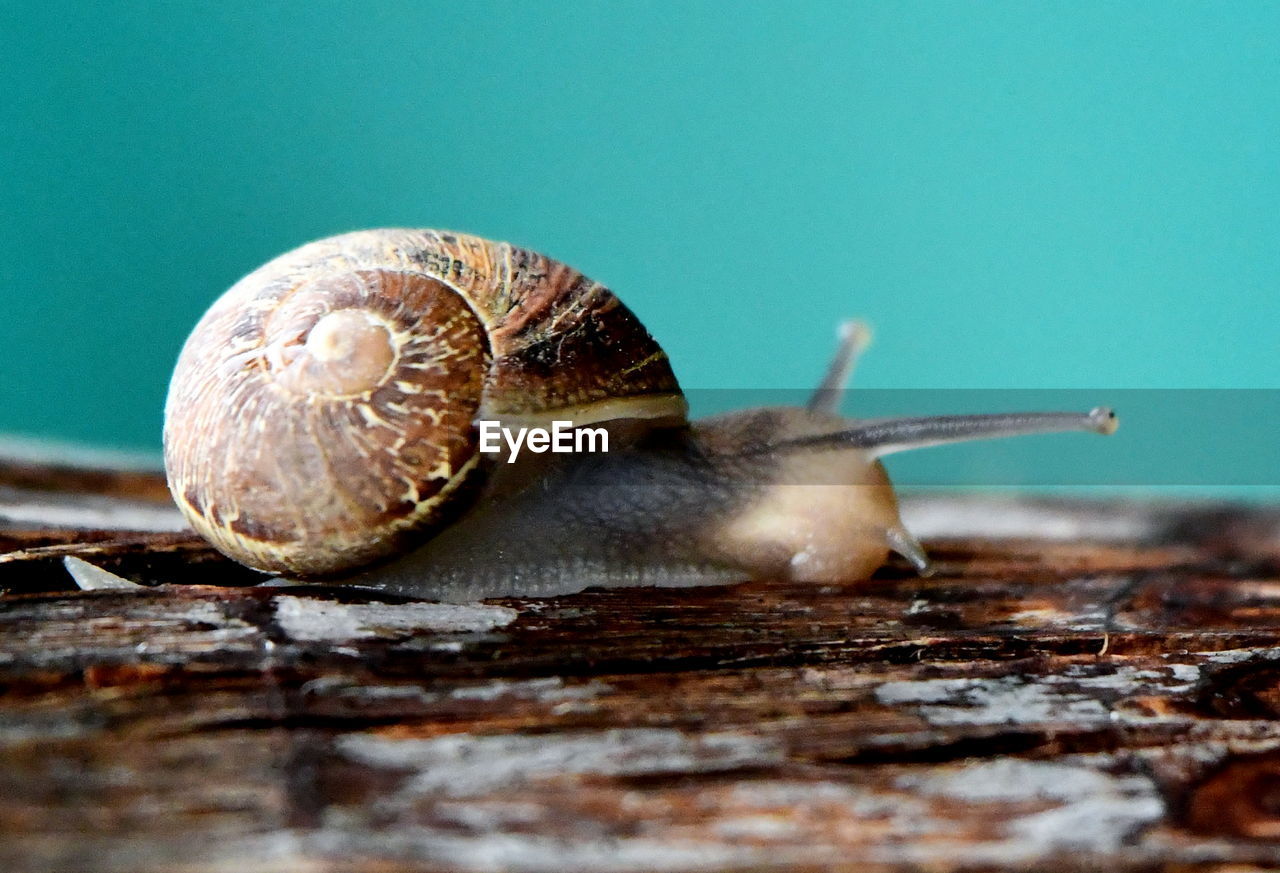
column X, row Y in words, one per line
column 322, row 413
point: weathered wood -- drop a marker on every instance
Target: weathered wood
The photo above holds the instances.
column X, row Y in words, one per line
column 78, row 472
column 1097, row 689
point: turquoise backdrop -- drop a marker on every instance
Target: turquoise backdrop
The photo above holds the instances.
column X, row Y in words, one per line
column 1015, row 195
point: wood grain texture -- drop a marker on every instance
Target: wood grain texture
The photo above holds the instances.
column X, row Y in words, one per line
column 1096, row 688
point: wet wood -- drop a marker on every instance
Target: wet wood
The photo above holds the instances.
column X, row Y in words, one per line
column 1082, row 686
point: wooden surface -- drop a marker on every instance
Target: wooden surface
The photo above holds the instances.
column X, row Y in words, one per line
column 1083, row 686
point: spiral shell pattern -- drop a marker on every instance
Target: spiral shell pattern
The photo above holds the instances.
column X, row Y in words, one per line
column 321, row 415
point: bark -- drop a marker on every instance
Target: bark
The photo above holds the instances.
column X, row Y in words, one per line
column 1082, row 686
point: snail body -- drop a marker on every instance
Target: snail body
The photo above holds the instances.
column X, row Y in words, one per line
column 322, row 422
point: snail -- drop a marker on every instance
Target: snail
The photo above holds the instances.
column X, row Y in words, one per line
column 323, row 422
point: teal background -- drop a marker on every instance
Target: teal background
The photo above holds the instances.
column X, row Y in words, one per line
column 1015, row 195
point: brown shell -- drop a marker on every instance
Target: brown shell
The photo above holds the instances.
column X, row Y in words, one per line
column 323, row 409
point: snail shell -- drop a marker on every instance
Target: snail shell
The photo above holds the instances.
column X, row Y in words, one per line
column 322, row 412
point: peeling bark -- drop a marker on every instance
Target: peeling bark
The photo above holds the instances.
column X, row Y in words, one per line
column 1082, row 686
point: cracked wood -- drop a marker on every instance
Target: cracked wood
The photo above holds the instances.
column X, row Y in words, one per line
column 1082, row 686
